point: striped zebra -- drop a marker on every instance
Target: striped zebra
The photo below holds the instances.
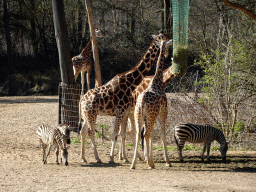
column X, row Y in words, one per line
column 53, row 136
column 199, row 134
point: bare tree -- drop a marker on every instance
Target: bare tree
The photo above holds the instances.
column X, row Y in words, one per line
column 240, row 7
column 98, row 81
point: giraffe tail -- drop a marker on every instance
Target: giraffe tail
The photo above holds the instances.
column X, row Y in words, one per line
column 142, row 138
column 79, row 126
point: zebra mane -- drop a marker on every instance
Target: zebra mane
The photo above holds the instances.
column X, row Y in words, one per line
column 220, row 138
column 59, row 137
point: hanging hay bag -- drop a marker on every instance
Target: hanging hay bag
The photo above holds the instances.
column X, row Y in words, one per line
column 180, row 61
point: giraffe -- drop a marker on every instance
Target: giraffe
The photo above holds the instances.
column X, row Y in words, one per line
column 168, row 75
column 114, row 99
column 151, row 103
column 82, row 62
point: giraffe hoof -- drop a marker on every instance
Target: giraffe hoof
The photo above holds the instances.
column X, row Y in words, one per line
column 153, row 167
column 111, row 162
column 132, row 167
column 99, row 161
column 84, row 161
column 125, row 161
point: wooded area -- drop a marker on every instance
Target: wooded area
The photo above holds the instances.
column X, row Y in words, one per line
column 222, row 47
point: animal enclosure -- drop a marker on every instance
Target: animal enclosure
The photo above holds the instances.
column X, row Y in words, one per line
column 182, row 108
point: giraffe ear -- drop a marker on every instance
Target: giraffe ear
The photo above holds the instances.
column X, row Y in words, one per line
column 154, row 36
column 169, row 43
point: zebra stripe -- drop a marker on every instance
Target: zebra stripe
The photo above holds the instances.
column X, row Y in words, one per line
column 52, row 136
column 199, row 134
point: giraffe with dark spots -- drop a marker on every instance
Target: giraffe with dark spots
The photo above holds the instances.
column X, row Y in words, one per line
column 151, row 103
column 130, row 80
column 82, row 62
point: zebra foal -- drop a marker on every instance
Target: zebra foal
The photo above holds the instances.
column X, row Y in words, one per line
column 199, row 134
column 58, row 137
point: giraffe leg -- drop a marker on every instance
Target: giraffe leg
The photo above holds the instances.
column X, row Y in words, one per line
column 150, row 151
column 132, row 132
column 92, row 136
column 163, row 117
column 88, row 78
column 123, row 135
column 82, row 82
column 83, row 134
column 114, row 136
column 134, row 161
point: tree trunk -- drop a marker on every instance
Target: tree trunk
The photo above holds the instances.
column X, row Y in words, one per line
column 98, row 81
column 61, row 35
column 11, row 80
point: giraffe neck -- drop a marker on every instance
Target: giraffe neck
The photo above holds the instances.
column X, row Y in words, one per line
column 168, row 75
column 139, row 71
column 158, row 77
column 87, row 51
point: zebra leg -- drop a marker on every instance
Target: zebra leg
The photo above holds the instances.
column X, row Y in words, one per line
column 204, row 148
column 48, row 153
column 44, row 151
column 57, row 155
column 208, row 151
column 179, row 148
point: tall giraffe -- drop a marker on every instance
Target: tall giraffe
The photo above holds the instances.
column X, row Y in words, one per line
column 82, row 62
column 168, row 75
column 151, row 103
column 114, row 99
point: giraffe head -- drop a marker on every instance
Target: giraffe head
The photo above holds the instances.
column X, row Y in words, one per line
column 162, row 37
column 98, row 33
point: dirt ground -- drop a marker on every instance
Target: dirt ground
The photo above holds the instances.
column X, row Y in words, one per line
column 21, row 168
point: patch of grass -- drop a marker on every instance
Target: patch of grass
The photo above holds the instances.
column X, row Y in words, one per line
column 168, row 148
column 192, row 148
column 76, row 140
column 214, row 148
column 103, row 128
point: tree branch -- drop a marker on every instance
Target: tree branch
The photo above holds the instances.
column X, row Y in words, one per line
column 240, row 7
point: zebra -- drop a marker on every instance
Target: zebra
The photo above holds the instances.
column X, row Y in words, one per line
column 199, row 134
column 54, row 136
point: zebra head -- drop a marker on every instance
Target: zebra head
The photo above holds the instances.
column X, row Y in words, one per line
column 65, row 130
column 223, row 150
column 64, row 155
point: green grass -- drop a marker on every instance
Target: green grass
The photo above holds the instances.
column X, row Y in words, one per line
column 162, row 148
column 76, row 140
